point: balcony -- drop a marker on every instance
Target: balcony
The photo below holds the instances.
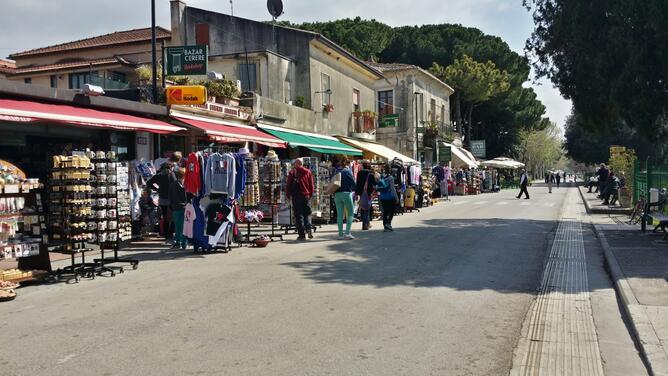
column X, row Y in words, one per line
column 363, row 125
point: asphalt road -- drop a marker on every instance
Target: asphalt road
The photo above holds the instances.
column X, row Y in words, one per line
column 445, row 294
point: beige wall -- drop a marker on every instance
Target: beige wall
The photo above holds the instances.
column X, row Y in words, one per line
column 138, row 51
column 44, row 78
column 343, row 79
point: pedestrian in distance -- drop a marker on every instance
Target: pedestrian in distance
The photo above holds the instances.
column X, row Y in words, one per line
column 524, row 182
column 177, row 203
column 299, row 190
column 558, row 177
column 388, row 197
column 343, row 199
column 602, row 173
column 364, row 188
column 549, row 178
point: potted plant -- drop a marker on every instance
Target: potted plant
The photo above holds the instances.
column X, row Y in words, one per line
column 328, row 107
column 222, row 91
column 300, row 101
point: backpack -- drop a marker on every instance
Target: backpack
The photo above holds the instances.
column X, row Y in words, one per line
column 294, row 185
column 365, row 200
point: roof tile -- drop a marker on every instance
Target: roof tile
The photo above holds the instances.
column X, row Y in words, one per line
column 119, row 37
column 73, row 64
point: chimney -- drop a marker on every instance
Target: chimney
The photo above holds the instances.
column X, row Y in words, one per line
column 178, row 10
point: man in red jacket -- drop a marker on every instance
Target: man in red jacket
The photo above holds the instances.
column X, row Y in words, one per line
column 300, row 190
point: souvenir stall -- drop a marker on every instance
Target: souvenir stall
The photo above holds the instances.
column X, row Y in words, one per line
column 23, row 256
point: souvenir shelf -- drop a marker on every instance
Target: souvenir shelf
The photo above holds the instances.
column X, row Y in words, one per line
column 22, row 224
column 111, row 218
column 270, row 190
column 70, row 205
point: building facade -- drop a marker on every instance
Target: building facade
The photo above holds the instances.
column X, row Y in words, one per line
column 291, row 78
column 413, row 108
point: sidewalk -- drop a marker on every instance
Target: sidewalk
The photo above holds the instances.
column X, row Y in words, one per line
column 594, row 205
column 638, row 263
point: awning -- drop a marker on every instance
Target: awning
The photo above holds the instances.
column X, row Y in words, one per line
column 460, row 158
column 315, row 142
column 378, row 149
column 33, row 112
column 230, row 131
column 503, row 162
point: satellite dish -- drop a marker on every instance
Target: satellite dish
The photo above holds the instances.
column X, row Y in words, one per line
column 275, row 8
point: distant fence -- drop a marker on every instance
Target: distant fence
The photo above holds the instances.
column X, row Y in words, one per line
column 646, row 176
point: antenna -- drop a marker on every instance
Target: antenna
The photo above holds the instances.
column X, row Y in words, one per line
column 275, row 8
column 232, row 7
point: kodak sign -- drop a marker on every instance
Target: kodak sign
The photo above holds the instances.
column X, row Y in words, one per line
column 185, row 95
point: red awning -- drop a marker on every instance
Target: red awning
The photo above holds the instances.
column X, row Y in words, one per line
column 226, row 131
column 30, row 112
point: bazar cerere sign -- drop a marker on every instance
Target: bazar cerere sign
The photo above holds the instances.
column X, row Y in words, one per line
column 186, row 60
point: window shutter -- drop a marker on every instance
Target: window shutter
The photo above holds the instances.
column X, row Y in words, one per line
column 202, row 34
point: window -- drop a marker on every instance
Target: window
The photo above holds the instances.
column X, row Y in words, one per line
column 356, row 100
column 385, row 102
column 77, row 80
column 432, row 110
column 117, row 76
column 202, row 34
column 27, row 80
column 325, row 85
column 54, row 81
column 248, row 77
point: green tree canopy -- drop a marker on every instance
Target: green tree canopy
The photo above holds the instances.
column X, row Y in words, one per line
column 609, row 57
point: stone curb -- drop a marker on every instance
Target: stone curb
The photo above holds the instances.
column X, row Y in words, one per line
column 650, row 346
column 599, row 210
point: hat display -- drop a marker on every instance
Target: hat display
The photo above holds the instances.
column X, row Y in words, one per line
column 272, row 155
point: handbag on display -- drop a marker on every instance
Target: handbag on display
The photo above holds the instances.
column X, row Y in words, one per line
column 334, row 184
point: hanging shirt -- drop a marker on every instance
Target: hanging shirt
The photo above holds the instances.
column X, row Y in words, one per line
column 192, row 181
column 220, row 174
column 216, row 214
column 189, row 216
column 240, row 177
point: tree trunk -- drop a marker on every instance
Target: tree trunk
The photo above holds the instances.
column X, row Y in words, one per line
column 458, row 112
column 469, row 125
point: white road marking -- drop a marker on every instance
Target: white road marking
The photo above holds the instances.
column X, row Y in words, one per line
column 549, row 204
column 525, row 203
column 502, row 203
column 65, row 359
column 479, row 202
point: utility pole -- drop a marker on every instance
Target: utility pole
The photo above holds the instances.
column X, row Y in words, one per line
column 154, row 63
column 232, row 7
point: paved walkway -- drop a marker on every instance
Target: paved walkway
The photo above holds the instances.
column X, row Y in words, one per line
column 638, row 263
column 561, row 337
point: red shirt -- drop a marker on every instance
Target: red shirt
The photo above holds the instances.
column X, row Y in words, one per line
column 193, row 180
column 304, row 180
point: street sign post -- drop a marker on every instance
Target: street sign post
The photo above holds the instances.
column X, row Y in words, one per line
column 186, row 60
column 185, row 95
column 478, row 148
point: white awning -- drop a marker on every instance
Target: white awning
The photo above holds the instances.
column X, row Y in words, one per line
column 460, row 157
column 377, row 149
column 503, row 162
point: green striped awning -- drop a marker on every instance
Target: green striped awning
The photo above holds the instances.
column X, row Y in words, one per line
column 315, row 142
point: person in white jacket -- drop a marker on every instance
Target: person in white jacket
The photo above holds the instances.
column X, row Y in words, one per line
column 524, row 182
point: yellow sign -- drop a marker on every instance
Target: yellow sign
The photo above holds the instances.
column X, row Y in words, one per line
column 186, row 95
column 614, row 150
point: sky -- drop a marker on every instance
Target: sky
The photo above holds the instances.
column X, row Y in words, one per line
column 30, row 24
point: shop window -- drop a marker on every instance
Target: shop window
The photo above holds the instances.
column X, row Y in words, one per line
column 325, row 85
column 248, row 77
column 202, row 34
column 54, row 81
column 27, row 80
column 385, row 102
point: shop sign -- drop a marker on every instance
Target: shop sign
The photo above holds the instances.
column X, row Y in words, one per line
column 185, row 95
column 444, row 154
column 478, row 148
column 388, row 121
column 186, row 60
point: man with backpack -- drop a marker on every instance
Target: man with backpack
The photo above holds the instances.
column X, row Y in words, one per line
column 300, row 189
column 364, row 187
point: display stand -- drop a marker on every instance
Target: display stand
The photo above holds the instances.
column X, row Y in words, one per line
column 117, row 231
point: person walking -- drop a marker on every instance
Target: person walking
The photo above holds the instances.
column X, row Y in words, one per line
column 177, row 203
column 343, row 198
column 161, row 182
column 300, row 189
column 558, row 177
column 549, row 178
column 388, row 197
column 364, row 187
column 524, row 181
column 602, row 174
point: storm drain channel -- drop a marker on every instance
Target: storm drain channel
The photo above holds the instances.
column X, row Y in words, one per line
column 561, row 338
